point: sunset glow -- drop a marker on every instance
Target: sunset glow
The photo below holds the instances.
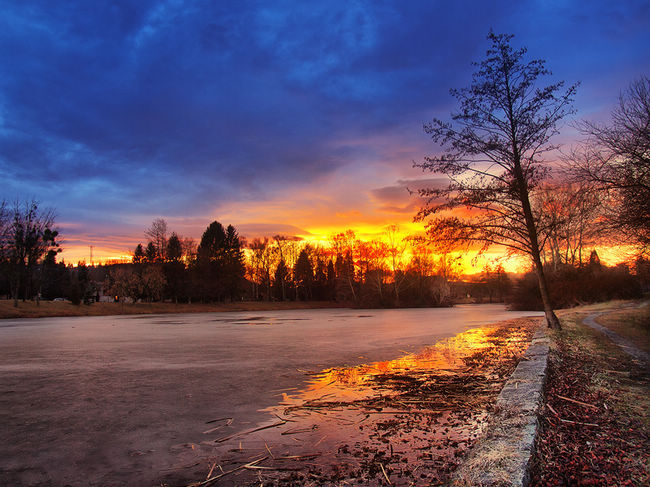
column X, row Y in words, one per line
column 116, row 116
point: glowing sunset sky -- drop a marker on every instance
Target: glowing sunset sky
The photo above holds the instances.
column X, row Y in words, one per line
column 277, row 117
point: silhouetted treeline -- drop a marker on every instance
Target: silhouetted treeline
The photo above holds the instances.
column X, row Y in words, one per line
column 27, row 235
column 572, row 285
column 223, row 267
column 386, row 272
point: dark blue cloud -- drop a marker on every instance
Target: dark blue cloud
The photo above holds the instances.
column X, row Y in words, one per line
column 171, row 107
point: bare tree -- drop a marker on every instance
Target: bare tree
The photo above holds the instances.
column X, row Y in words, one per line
column 616, row 159
column 153, row 282
column 568, row 215
column 493, row 154
column 4, row 231
column 189, row 246
column 395, row 250
column 344, row 246
column 29, row 236
column 157, row 234
column 262, row 260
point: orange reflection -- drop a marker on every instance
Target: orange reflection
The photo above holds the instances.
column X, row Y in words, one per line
column 470, row 350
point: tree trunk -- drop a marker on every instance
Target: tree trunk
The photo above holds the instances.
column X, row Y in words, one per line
column 552, row 320
column 14, row 287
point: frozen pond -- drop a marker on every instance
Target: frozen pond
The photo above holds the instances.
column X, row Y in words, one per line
column 114, row 400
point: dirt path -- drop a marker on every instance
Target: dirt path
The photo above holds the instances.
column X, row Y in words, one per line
column 626, row 345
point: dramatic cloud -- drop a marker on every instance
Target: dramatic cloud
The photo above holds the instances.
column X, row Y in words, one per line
column 119, row 112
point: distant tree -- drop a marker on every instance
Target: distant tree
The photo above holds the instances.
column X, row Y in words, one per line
column 233, row 267
column 123, row 283
column 74, row 291
column 395, row 250
column 138, row 254
column 331, row 279
column 568, row 215
column 174, row 268
column 54, row 277
column 151, row 254
column 493, row 155
column 616, row 160
column 5, row 221
column 343, row 245
column 280, row 279
column 287, row 248
column 373, row 262
column 212, row 242
column 210, row 262
column 345, row 282
column 642, row 272
column 153, row 282
column 189, row 249
column 320, row 280
column 495, row 281
column 174, row 251
column 29, row 237
column 594, row 261
column 261, row 261
column 303, row 275
column 220, row 262
column 157, row 234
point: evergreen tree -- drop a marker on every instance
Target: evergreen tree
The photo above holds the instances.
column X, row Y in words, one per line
column 174, row 249
column 54, row 277
column 303, row 276
column 138, row 255
column 210, row 262
column 174, row 268
column 234, row 268
column 320, row 280
column 151, row 254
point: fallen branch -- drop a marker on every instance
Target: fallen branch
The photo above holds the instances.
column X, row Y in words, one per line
column 241, row 433
column 269, row 450
column 218, row 419
column 384, row 472
column 211, row 470
column 578, row 422
column 228, row 472
column 299, row 430
column 321, row 440
column 299, row 457
column 280, row 469
column 577, row 402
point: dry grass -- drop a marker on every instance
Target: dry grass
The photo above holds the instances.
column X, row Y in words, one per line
column 493, row 460
column 30, row 309
column 633, row 324
column 631, row 395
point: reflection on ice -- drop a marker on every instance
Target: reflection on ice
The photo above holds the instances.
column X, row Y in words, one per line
column 408, row 420
column 476, row 349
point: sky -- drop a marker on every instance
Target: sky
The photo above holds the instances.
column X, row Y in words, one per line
column 291, row 117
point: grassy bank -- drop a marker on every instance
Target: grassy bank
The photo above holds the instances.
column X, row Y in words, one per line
column 595, row 428
column 30, row 309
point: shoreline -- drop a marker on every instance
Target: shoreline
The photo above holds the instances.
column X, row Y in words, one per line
column 58, row 309
column 62, row 309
